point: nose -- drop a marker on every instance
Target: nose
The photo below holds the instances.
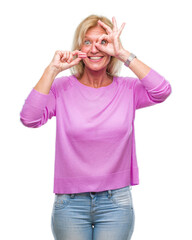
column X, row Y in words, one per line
column 93, row 48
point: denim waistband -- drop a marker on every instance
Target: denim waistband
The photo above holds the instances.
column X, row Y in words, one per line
column 109, row 192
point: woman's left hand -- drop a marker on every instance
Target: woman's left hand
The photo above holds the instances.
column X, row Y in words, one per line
column 112, row 44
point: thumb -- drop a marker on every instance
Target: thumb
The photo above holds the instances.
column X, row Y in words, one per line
column 75, row 61
column 100, row 47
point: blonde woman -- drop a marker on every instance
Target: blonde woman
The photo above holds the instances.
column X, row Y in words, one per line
column 95, row 156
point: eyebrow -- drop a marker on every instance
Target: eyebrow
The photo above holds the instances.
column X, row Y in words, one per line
column 88, row 37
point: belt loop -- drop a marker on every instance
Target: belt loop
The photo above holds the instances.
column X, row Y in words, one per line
column 109, row 193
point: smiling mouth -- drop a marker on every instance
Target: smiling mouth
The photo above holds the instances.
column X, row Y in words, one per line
column 95, row 58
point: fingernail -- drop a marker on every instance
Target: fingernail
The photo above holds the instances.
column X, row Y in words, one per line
column 82, row 55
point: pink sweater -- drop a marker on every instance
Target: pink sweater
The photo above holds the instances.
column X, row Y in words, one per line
column 95, row 139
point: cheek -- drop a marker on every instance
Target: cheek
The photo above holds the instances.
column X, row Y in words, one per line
column 84, row 49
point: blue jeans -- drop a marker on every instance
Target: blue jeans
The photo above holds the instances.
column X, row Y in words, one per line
column 106, row 215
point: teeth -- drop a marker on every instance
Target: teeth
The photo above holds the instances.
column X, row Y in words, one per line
column 95, row 58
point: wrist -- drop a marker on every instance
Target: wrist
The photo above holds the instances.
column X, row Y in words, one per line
column 52, row 70
column 123, row 56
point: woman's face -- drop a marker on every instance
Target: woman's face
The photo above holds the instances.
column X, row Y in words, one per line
column 96, row 60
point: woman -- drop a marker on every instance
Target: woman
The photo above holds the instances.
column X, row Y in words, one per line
column 95, row 158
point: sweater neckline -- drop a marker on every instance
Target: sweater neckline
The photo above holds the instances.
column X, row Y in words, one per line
column 83, row 86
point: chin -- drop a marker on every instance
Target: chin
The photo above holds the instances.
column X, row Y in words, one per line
column 95, row 67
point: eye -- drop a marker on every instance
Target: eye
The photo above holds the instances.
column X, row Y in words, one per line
column 103, row 41
column 86, row 42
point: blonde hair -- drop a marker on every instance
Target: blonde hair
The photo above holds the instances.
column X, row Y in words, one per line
column 114, row 65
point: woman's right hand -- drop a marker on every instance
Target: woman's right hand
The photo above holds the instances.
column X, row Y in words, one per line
column 63, row 60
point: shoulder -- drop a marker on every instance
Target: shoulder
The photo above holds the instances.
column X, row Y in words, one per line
column 126, row 81
column 62, row 83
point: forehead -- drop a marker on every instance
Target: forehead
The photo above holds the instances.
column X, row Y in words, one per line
column 95, row 32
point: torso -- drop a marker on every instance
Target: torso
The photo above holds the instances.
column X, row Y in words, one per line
column 107, row 82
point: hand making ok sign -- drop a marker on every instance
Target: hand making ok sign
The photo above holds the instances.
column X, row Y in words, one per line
column 112, row 44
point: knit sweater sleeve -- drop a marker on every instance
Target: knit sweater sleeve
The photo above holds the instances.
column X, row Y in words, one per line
column 38, row 108
column 150, row 90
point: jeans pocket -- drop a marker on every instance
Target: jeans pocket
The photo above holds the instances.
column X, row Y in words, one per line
column 61, row 201
column 122, row 198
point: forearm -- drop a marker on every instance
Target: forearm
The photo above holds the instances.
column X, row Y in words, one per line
column 45, row 82
column 139, row 68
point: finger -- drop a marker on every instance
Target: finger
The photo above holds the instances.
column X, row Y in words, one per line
column 100, row 47
column 58, row 52
column 82, row 54
column 58, row 55
column 107, row 28
column 67, row 65
column 121, row 29
column 70, row 59
column 114, row 23
column 103, row 37
column 68, row 54
column 64, row 56
column 75, row 52
column 79, row 53
column 75, row 62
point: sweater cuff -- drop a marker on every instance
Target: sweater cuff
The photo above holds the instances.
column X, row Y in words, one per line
column 152, row 80
column 37, row 99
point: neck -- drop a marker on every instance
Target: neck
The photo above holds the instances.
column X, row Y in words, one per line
column 95, row 79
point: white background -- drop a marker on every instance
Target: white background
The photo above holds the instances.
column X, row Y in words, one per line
column 158, row 33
